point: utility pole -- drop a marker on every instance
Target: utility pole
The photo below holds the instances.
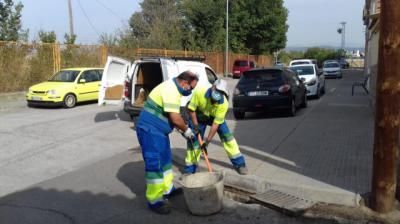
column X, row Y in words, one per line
column 387, row 119
column 343, row 35
column 71, row 21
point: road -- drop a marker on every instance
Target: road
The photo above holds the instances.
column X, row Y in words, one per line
column 39, row 144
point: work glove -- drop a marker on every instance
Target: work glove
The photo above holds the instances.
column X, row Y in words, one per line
column 204, row 147
column 188, row 134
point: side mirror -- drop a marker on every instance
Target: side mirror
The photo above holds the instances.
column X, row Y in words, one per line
column 82, row 81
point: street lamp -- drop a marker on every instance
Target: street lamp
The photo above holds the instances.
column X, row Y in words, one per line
column 227, row 39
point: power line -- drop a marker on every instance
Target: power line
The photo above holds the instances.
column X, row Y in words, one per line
column 111, row 11
column 87, row 18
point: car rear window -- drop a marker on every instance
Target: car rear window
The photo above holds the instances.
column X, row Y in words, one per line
column 303, row 70
column 240, row 63
column 272, row 76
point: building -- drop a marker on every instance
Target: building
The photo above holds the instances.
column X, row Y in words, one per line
column 371, row 15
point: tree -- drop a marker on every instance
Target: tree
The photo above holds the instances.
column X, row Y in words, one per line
column 158, row 25
column 259, row 25
column 10, row 21
column 108, row 39
column 255, row 26
column 47, row 37
column 204, row 23
column 68, row 39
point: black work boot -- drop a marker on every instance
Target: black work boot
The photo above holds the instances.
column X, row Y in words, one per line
column 174, row 192
column 242, row 170
column 163, row 209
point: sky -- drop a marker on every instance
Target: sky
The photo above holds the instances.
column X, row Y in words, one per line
column 311, row 22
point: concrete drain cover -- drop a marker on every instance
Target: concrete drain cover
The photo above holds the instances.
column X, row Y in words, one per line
column 283, row 201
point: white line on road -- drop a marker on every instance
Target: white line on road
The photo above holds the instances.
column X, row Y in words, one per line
column 332, row 90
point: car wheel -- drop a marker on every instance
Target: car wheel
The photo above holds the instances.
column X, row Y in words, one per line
column 304, row 104
column 69, row 100
column 292, row 109
column 323, row 88
column 238, row 114
column 318, row 93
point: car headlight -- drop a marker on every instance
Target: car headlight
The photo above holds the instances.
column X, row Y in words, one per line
column 52, row 92
column 311, row 82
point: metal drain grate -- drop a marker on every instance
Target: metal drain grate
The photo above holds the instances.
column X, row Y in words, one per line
column 283, row 201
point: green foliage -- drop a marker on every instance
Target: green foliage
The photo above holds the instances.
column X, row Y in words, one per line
column 204, row 24
column 158, row 25
column 108, row 39
column 287, row 56
column 69, row 39
column 257, row 26
column 47, row 37
column 321, row 54
column 10, row 20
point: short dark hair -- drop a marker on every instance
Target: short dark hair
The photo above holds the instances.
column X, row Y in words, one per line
column 188, row 76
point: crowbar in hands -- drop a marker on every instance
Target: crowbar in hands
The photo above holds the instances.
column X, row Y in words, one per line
column 204, row 153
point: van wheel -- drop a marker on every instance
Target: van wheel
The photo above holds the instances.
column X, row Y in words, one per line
column 238, row 114
column 69, row 100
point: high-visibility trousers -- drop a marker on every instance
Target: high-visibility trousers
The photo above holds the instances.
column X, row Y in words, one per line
column 229, row 143
column 157, row 158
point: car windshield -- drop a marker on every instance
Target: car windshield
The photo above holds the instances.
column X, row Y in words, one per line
column 240, row 63
column 332, row 65
column 65, row 76
column 303, row 70
column 265, row 76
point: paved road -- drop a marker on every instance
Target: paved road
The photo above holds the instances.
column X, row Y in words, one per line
column 82, row 165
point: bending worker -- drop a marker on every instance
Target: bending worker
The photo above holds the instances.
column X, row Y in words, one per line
column 209, row 106
column 160, row 114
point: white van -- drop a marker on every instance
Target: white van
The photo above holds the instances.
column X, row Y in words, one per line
column 303, row 61
column 130, row 83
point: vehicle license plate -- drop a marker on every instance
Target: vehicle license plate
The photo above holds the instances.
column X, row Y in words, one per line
column 258, row 93
column 36, row 98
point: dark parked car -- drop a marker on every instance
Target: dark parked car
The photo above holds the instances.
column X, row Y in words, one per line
column 343, row 63
column 269, row 88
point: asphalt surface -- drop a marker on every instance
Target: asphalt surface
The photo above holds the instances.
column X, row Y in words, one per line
column 83, row 165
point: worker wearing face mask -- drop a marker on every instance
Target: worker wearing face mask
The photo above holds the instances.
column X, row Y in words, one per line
column 208, row 107
column 160, row 114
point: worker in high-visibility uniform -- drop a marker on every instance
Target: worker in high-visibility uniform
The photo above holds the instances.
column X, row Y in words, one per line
column 208, row 107
column 160, row 114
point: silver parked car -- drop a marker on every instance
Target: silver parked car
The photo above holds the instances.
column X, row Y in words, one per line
column 332, row 70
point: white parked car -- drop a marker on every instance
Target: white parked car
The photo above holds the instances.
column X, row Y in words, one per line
column 302, row 62
column 332, row 70
column 130, row 83
column 312, row 78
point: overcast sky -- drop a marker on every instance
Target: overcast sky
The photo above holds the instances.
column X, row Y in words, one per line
column 311, row 22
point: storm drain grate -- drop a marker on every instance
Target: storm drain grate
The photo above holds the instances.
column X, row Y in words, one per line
column 283, row 201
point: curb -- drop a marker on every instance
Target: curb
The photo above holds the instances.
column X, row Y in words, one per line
column 255, row 185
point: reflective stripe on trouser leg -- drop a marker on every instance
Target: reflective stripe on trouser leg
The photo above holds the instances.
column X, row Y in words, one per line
column 193, row 151
column 230, row 145
column 158, row 163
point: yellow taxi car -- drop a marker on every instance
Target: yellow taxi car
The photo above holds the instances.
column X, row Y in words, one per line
column 67, row 87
